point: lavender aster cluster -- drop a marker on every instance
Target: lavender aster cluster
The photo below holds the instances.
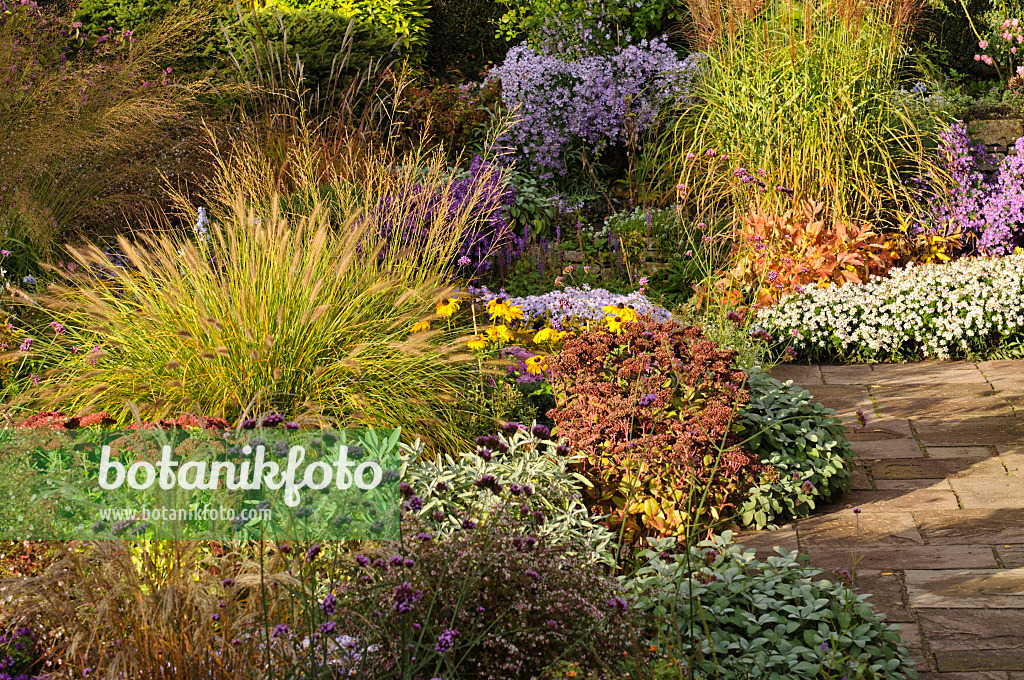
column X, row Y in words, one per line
column 987, row 207
column 571, row 307
column 408, row 218
column 595, row 100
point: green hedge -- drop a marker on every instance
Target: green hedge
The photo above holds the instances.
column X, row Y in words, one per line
column 316, row 37
column 462, row 37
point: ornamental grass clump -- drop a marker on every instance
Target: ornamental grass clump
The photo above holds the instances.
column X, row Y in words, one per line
column 160, row 610
column 652, row 411
column 263, row 313
column 809, row 94
column 75, row 111
column 966, row 308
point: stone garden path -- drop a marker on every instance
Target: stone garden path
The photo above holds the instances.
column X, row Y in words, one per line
column 939, row 540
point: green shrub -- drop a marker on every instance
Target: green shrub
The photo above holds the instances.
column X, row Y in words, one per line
column 816, row 95
column 407, row 20
column 786, row 428
column 583, row 26
column 331, row 45
column 527, row 467
column 462, row 36
column 733, row 617
column 97, row 16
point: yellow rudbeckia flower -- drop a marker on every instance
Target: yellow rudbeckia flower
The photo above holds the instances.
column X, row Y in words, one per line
column 546, row 335
column 627, row 314
column 499, row 334
column 447, row 307
column 476, row 342
column 614, row 324
column 421, row 326
column 536, row 365
column 502, row 308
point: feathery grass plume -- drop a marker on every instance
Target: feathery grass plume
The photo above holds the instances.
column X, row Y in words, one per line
column 77, row 111
column 309, row 315
column 800, row 98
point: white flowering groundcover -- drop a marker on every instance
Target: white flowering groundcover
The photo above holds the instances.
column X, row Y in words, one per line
column 968, row 307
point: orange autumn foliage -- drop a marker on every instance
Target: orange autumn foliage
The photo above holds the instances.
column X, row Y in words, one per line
column 779, row 254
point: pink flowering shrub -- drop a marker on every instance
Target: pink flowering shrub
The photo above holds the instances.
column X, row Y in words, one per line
column 1003, row 48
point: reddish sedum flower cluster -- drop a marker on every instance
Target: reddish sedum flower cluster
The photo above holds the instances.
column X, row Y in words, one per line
column 58, row 420
column 654, row 413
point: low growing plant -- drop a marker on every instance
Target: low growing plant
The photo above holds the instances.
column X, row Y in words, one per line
column 968, row 307
column 804, row 446
column 520, row 465
column 729, row 616
column 652, row 409
column 493, row 600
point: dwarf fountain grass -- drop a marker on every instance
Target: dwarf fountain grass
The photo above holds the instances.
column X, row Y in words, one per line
column 271, row 312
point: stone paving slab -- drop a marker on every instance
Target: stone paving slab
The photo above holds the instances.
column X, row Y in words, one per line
column 927, row 391
column 935, row 468
column 888, row 448
column 939, row 558
column 939, row 539
column 1010, row 555
column 806, row 376
column 959, row 527
column 946, row 405
column 983, row 675
column 897, row 500
column 974, row 452
column 882, row 429
column 934, row 588
column 886, row 588
column 970, row 431
column 909, row 484
column 989, row 493
column 868, row 528
column 847, row 375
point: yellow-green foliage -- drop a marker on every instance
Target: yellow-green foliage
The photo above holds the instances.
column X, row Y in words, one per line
column 406, row 19
column 809, row 93
column 307, row 312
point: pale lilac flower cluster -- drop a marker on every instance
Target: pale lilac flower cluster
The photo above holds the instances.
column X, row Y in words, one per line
column 962, row 307
column 572, row 307
column 986, row 207
column 595, row 101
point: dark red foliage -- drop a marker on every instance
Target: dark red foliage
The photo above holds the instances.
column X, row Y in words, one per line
column 653, row 411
